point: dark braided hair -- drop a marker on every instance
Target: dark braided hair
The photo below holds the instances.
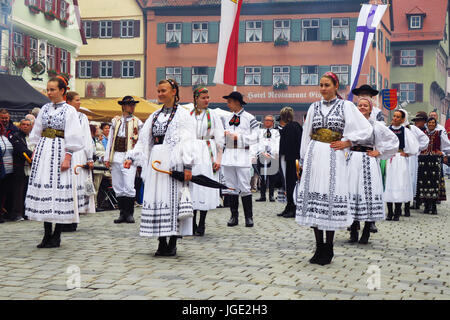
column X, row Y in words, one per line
column 174, row 85
column 62, row 84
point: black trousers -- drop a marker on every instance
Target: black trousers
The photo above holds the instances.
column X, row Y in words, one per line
column 18, row 203
column 266, row 180
column 291, row 180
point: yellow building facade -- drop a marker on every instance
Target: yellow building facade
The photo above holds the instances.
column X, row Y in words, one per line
column 112, row 64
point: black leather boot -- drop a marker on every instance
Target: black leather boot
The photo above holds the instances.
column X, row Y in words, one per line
column 129, row 201
column 162, row 247
column 55, row 240
column 290, row 213
column 327, row 254
column 390, row 211
column 120, row 204
column 427, row 207
column 373, row 227
column 47, row 235
column 201, row 224
column 248, row 210
column 194, row 222
column 397, row 211
column 433, row 207
column 234, row 208
column 354, row 232
column 271, row 192
column 284, row 211
column 317, row 254
column 365, row 234
column 407, row 212
column 172, row 247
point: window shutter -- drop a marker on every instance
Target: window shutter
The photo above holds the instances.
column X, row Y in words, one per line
column 42, row 5
column 26, row 47
column 77, row 69
column 95, row 29
column 296, row 30
column 137, row 69
column 295, row 76
column 186, row 77
column 240, row 76
column 419, row 92
column 117, row 69
column 267, row 31
column 27, row 2
column 161, row 33
column 396, row 60
column 95, row 69
column 186, row 32
column 242, row 31
column 58, row 8
column 323, row 70
column 137, row 28
column 266, row 76
column 325, row 29
column 419, row 55
column 213, row 32
column 54, row 6
column 58, row 59
column 353, row 24
column 160, row 74
column 116, row 29
column 211, row 72
column 68, row 62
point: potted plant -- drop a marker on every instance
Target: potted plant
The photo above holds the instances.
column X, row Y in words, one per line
column 172, row 44
column 63, row 22
column 34, row 9
column 340, row 40
column 50, row 15
column 52, row 73
column 21, row 63
column 281, row 41
column 280, row 86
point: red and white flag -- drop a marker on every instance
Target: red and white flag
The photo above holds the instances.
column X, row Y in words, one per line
column 227, row 55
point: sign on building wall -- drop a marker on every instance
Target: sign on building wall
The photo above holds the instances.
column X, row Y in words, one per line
column 95, row 89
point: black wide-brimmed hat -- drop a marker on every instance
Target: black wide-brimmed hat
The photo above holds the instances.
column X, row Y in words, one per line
column 127, row 100
column 236, row 96
column 421, row 115
column 365, row 88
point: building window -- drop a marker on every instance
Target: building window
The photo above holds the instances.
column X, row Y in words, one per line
column 380, row 81
column 64, row 61
column 174, row 73
column 408, row 57
column 106, row 69
column 281, row 75
column 51, row 57
column 407, row 92
column 253, row 31
column 309, row 75
column 415, row 22
column 380, row 40
column 63, row 10
column 373, row 77
column 342, row 73
column 340, row 29
column 34, row 3
column 386, row 83
column 252, row 76
column 388, row 47
column 199, row 76
column 310, row 30
column 106, row 29
column 18, row 45
column 200, row 32
column 85, row 69
column 173, row 32
column 282, row 30
column 127, row 29
column 87, row 26
column 33, row 50
column 48, row 5
column 128, row 69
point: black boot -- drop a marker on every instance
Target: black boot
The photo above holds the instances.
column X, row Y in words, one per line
column 317, row 254
column 390, row 211
column 397, row 211
column 129, row 209
column 284, row 211
column 55, row 240
column 427, row 207
column 290, row 213
column 172, row 247
column 121, row 205
column 47, row 235
column 234, row 208
column 162, row 247
column 201, row 224
column 433, row 208
column 248, row 212
column 271, row 198
column 373, row 227
column 354, row 232
column 407, row 212
column 365, row 234
column 327, row 254
column 194, row 222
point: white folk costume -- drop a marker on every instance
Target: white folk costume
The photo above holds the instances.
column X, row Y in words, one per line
column 376, row 114
column 365, row 182
column 167, row 136
column 321, row 196
column 209, row 140
column 50, row 195
column 398, row 178
column 86, row 204
column 413, row 160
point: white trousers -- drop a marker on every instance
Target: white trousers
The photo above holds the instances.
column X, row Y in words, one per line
column 237, row 178
column 123, row 180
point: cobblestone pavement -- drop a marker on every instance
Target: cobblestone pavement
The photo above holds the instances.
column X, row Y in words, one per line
column 269, row 261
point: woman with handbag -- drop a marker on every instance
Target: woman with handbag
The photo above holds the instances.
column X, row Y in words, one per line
column 166, row 136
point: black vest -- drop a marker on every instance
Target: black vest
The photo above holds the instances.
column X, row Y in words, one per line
column 400, row 133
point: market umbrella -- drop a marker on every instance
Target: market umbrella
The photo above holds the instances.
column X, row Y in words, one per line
column 198, row 179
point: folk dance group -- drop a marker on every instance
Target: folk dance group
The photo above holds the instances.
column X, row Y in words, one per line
column 339, row 150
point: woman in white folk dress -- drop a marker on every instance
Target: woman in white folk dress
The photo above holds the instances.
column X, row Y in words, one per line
column 322, row 195
column 85, row 203
column 209, row 146
column 56, row 135
column 365, row 180
column 166, row 136
column 398, row 178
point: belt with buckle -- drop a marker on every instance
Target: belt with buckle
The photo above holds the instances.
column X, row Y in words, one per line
column 361, row 149
column 52, row 133
column 120, row 145
column 326, row 135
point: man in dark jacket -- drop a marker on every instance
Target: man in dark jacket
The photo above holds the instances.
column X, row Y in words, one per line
column 290, row 140
column 5, row 119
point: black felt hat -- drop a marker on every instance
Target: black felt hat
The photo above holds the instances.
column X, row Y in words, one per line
column 127, row 100
column 421, row 115
column 365, row 88
column 236, row 96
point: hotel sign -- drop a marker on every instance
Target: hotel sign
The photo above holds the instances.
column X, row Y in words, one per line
column 307, row 96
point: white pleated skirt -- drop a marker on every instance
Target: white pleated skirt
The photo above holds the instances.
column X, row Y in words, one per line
column 398, row 180
column 162, row 194
column 365, row 186
column 50, row 195
column 321, row 196
column 413, row 162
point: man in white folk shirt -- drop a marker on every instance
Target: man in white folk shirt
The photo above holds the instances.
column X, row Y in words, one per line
column 123, row 136
column 241, row 131
column 266, row 154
